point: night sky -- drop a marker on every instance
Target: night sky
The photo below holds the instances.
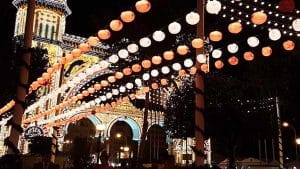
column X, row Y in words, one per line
column 91, row 15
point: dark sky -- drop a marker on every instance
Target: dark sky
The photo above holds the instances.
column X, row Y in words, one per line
column 87, row 18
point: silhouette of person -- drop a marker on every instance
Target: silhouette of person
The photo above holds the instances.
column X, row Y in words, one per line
column 46, row 163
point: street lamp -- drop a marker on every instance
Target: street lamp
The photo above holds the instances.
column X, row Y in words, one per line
column 286, row 124
column 100, row 128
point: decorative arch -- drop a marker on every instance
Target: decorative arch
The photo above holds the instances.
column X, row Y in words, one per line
column 136, row 129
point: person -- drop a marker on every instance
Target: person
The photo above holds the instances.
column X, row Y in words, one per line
column 46, row 163
column 169, row 163
column 104, row 162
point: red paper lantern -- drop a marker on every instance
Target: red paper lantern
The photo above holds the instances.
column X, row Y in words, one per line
column 219, row 64
column 233, row 60
column 288, row 45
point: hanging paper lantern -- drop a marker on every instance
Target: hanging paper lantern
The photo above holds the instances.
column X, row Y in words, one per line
column 233, row 60
column 154, row 73
column 62, row 60
column 253, row 41
column 97, row 86
column 84, row 47
column 85, row 93
column 274, row 34
column 266, row 51
column 127, row 16
column 138, row 82
column 119, row 75
column 115, row 92
column 69, row 58
column 143, row 6
column 219, row 64
column 159, row 36
column 111, row 79
column 104, row 34
column 181, row 73
column 156, row 60
column 146, row 76
column 136, row 68
column 259, row 18
column 113, row 59
column 164, row 82
column 145, row 42
column 197, row 43
column 168, row 55
column 79, row 96
column 76, row 53
column 248, row 56
column 235, row 27
column 104, row 83
column 93, row 41
column 104, row 64
column 192, row 18
column 176, row 66
column 286, row 6
column 133, row 48
column 182, row 49
column 127, row 71
column 50, row 70
column 193, row 70
column 129, row 85
column 204, row 67
column 41, row 80
column 165, row 70
column 213, row 6
column 201, row 58
column 217, row 53
column 188, row 63
column 215, row 36
column 46, row 76
column 146, row 64
column 232, row 48
column 288, row 45
column 154, row 86
column 91, row 90
column 116, row 25
column 123, row 53
column 174, row 28
column 103, row 98
column 296, row 24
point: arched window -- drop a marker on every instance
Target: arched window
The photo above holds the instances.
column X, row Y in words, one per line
column 53, row 33
column 46, row 31
column 40, row 29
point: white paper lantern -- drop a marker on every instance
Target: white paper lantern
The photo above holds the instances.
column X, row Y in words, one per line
column 274, row 34
column 146, row 76
column 176, row 66
column 93, row 103
column 96, row 67
column 104, row 64
column 97, row 100
column 89, row 71
column 103, row 98
column 217, row 53
column 138, row 82
column 165, row 70
column 123, row 53
column 192, row 18
column 253, row 41
column 159, row 36
column 188, row 63
column 108, row 95
column 113, row 59
column 201, row 58
column 232, row 48
column 296, row 24
column 174, row 28
column 145, row 42
column 129, row 85
column 213, row 6
column 154, row 73
column 132, row 48
column 115, row 92
column 122, row 89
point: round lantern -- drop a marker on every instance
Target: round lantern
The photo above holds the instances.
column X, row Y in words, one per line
column 41, row 80
column 132, row 48
column 154, row 86
column 104, row 83
column 274, row 34
column 174, row 28
column 156, row 60
column 213, row 6
column 204, row 67
column 91, row 90
column 188, row 63
column 288, row 45
column 115, row 92
column 235, row 27
column 217, row 53
column 97, row 86
column 215, row 36
column 84, row 47
column 146, row 76
column 296, row 24
column 85, row 93
column 176, row 66
column 201, row 58
column 76, row 53
column 197, row 43
column 119, row 75
column 154, row 73
column 136, row 68
column 69, row 58
column 103, row 98
column 113, row 59
column 123, row 53
column 159, row 36
column 219, row 64
column 104, row 64
column 182, row 49
column 93, row 41
column 164, row 82
column 50, row 70
column 138, row 82
column 266, row 51
column 232, row 48
column 165, row 70
column 127, row 16
column 127, row 71
column 181, row 73
column 79, row 96
column 146, row 64
column 253, row 41
column 97, row 100
column 129, row 85
column 56, row 66
column 104, row 34
column 233, row 60
column 259, row 18
column 248, row 56
column 168, row 55
column 46, row 76
column 192, row 18
column 143, row 6
column 145, row 42
column 116, row 25
column 193, row 70
column 111, row 79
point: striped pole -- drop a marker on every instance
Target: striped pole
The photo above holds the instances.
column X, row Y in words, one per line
column 279, row 135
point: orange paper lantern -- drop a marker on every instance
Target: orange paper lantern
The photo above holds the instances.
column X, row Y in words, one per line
column 182, row 49
column 204, row 67
column 168, row 55
column 181, row 73
column 154, row 86
column 219, row 64
column 248, row 56
column 164, row 82
column 119, row 75
column 288, row 45
column 76, row 53
column 69, row 58
column 41, row 80
column 116, row 25
column 104, row 83
column 127, row 71
column 136, row 68
column 50, row 70
column 104, row 34
column 156, row 60
column 62, row 60
column 46, row 76
column 93, row 41
column 197, row 43
column 111, row 79
column 215, row 36
column 235, row 27
column 193, row 70
column 85, row 93
column 127, row 16
column 143, row 6
column 56, row 66
column 97, row 86
column 259, row 18
column 91, row 90
column 84, row 47
column 233, row 60
column 146, row 64
column 266, row 51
